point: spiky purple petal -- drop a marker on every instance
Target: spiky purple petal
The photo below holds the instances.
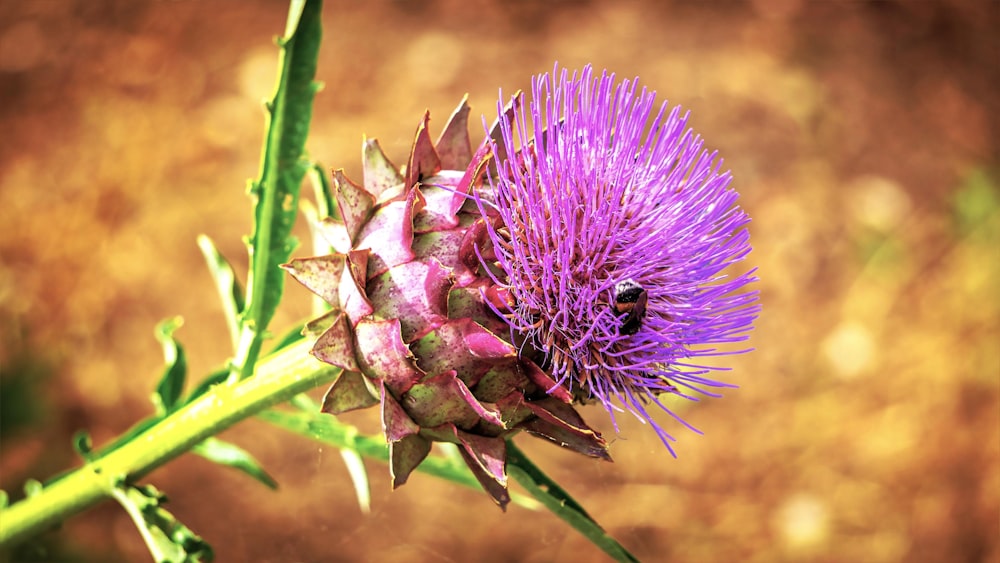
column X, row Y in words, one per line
column 601, row 189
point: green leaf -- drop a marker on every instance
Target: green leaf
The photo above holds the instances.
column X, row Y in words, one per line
column 226, row 283
column 283, row 166
column 550, row 494
column 231, row 455
column 4, row 499
column 359, row 476
column 171, row 385
column 167, row 539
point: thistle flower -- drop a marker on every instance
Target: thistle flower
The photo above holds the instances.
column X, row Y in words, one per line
column 412, row 323
column 614, row 226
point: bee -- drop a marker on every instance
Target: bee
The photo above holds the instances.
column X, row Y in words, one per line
column 630, row 305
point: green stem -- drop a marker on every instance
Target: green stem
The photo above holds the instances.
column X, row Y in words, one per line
column 278, row 378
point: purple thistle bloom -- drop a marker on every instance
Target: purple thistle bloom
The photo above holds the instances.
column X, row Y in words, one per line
column 616, row 228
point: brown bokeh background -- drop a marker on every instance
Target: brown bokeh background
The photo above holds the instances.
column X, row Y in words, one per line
column 862, row 136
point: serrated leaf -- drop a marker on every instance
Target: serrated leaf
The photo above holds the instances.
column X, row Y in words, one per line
column 168, row 540
column 228, row 286
column 283, row 167
column 231, row 455
column 556, row 499
column 171, row 385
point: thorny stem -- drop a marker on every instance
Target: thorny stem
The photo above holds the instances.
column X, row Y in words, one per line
column 278, row 378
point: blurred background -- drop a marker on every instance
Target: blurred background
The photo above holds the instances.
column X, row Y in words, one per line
column 862, row 136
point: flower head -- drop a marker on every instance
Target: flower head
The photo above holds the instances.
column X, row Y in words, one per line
column 614, row 226
column 410, row 325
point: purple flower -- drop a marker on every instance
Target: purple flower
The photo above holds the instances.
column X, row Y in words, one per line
column 615, row 226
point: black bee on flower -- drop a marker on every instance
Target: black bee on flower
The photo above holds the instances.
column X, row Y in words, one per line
column 630, row 305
